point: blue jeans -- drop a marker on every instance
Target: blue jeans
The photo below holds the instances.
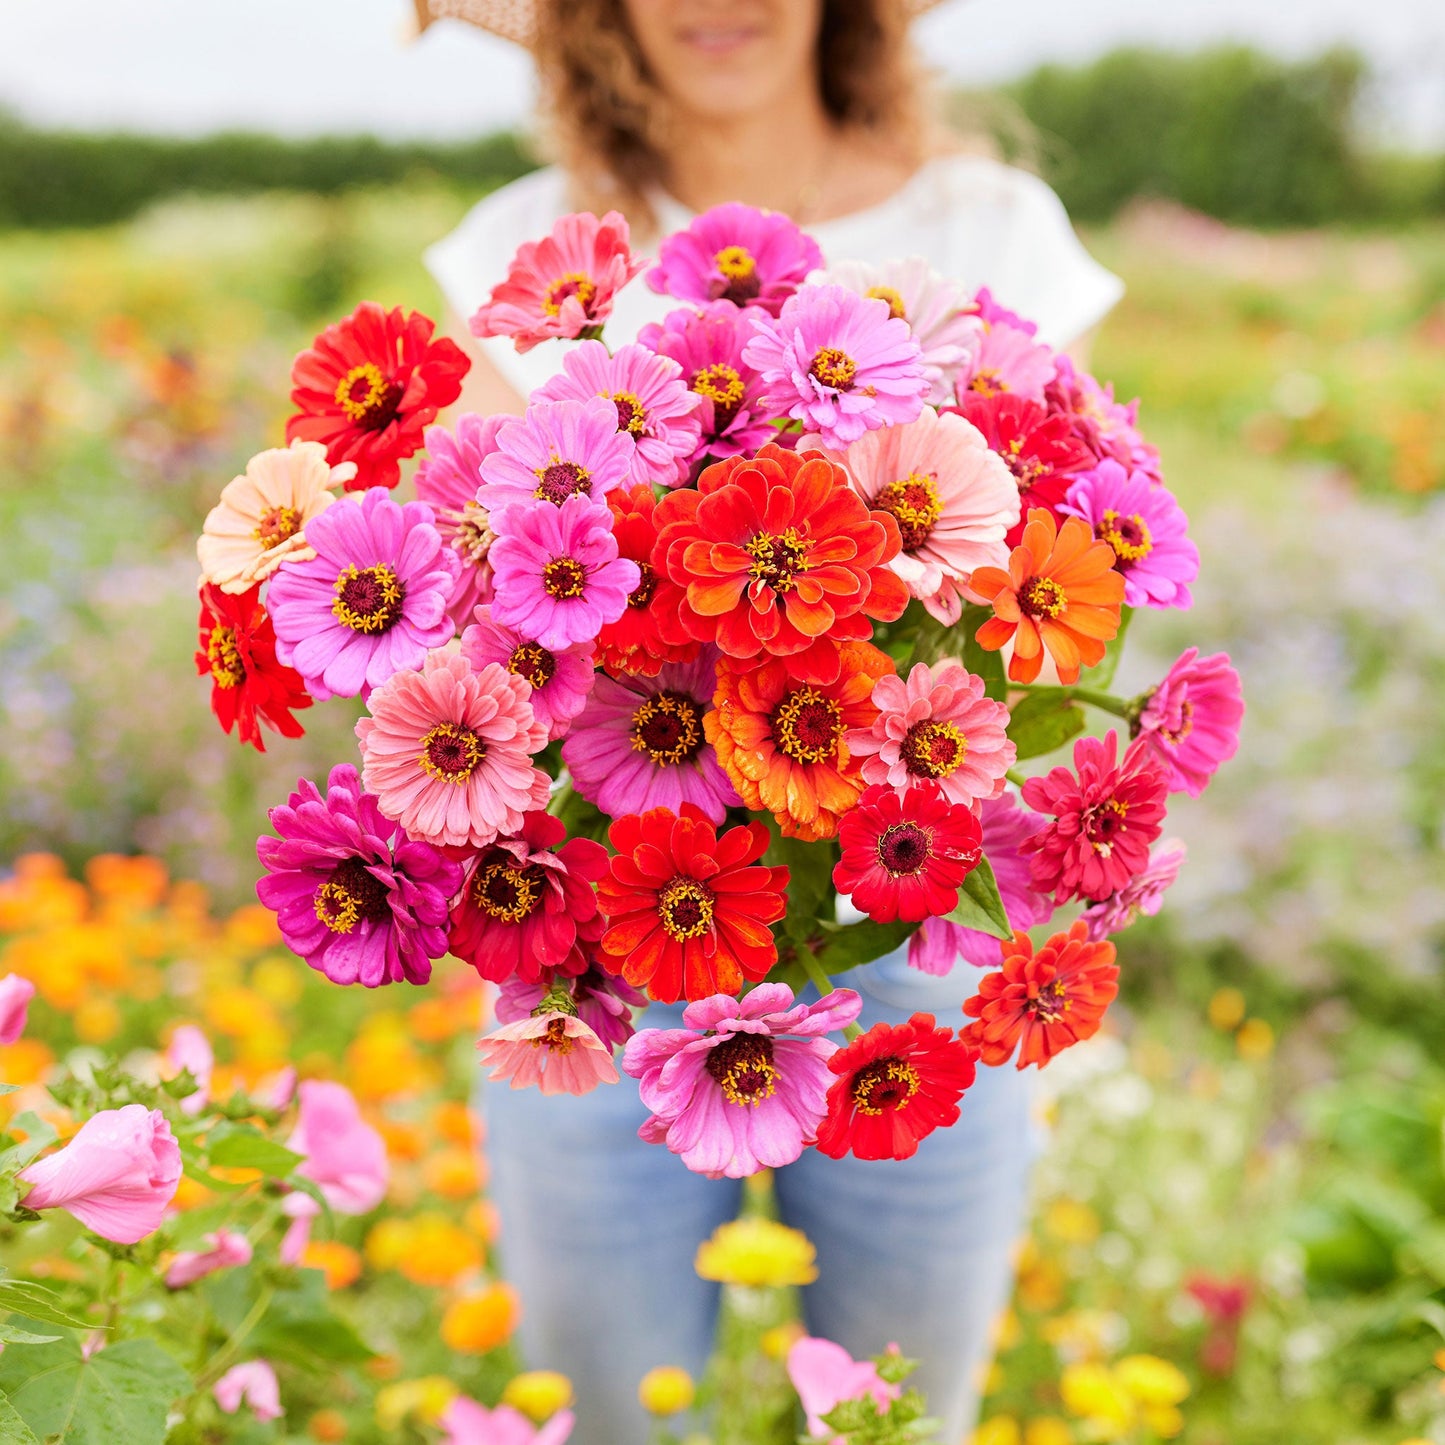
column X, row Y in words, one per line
column 599, row 1230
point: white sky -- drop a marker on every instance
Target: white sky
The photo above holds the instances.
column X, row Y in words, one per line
column 308, row 66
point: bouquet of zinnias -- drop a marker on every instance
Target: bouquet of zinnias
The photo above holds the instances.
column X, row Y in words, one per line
column 773, row 598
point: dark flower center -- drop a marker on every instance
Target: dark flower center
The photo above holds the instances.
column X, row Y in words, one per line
column 631, row 416
column 722, row 386
column 668, row 728
column 914, row 504
column 559, row 480
column 1128, row 536
column 351, row 896
column 564, row 578
column 884, row 1084
column 904, row 849
column 686, row 909
column 834, row 369
column 278, row 525
column 1041, row 597
column 933, row 749
column 642, row 594
column 367, row 397
column 575, row 283
column 777, row 559
column 1051, row 1002
column 508, row 891
column 744, row 1069
column 451, row 753
column 1102, row 825
column 225, row 658
column 807, row 725
column 532, row 661
column 369, row 599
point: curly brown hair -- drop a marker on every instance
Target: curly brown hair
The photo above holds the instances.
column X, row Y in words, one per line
column 606, row 120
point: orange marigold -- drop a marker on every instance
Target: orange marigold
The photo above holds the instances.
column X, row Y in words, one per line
column 1060, row 592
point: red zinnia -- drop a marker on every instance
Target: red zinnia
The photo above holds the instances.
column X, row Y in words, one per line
column 369, row 385
column 905, row 854
column 238, row 649
column 1049, row 999
column 687, row 911
column 779, row 555
column 896, row 1084
column 1104, row 820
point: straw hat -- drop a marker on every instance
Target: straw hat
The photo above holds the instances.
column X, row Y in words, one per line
column 515, row 19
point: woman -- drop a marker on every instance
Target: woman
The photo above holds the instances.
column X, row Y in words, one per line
column 663, row 108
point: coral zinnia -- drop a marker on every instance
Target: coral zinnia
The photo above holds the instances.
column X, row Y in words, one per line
column 555, row 1051
column 906, row 854
column 249, row 686
column 529, row 902
column 688, row 912
column 447, row 751
column 896, row 1084
column 1104, row 819
column 783, row 742
column 562, row 285
column 369, row 385
column 1042, row 1002
column 1191, row 721
column 560, row 680
column 353, row 895
column 1060, row 593
column 778, row 555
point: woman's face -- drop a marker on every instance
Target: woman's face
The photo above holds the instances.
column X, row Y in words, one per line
column 730, row 59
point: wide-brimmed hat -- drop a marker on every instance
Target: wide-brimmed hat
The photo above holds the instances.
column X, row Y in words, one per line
column 517, row 19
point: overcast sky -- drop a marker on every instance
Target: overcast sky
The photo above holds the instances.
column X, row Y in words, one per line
column 306, row 66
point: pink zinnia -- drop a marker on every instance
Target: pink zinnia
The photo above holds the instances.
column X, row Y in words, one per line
column 954, row 501
column 639, row 743
column 190, row 1051
column 560, row 681
column 557, row 450
column 117, row 1176
column 1142, row 894
column 938, row 944
column 557, row 574
column 15, row 996
column 736, row 253
column 370, row 603
column 936, row 727
column 839, row 363
column 447, row 482
column 563, row 285
column 1105, row 818
column 225, row 1249
column 604, row 1002
column 344, row 1156
column 708, row 345
column 1146, row 528
column 825, row 1375
column 743, row 1085
column 447, row 752
column 555, row 1051
column 252, row 1384
column 1107, row 427
column 652, row 402
column 1191, row 721
column 1008, row 359
column 530, row 903
column 468, row 1423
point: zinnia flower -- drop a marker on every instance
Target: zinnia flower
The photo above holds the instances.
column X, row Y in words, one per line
column 707, row 344
column 736, row 253
column 225, row 1249
column 825, row 1375
column 640, row 743
column 353, row 895
column 557, row 450
column 1104, row 819
column 529, row 902
column 1060, row 593
column 261, row 518
column 368, row 386
column 839, row 363
column 1147, row 529
column 252, row 1384
column 447, row 752
column 344, row 1156
column 563, row 285
column 373, row 600
column 603, row 1002
column 1191, row 721
column 952, row 498
column 783, row 742
column 15, row 996
column 895, row 1084
column 1143, row 893
column 552, row 1050
column 189, row 1051
column 938, row 944
column 248, row 685
column 742, row 1086
column 117, row 1175
column 651, row 399
column 758, row 1253
column 560, row 681
column 779, row 558
column 1107, row 427
column 905, row 854
column 558, row 576
column 688, row 912
column 1007, row 358
column 447, row 481
column 1042, row 1002
column 468, row 1423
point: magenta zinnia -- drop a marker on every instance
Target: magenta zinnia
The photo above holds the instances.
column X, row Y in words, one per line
column 1191, row 721
column 560, row 680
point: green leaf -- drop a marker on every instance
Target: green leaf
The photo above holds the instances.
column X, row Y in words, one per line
column 979, row 905
column 849, row 944
column 1043, row 721
column 238, row 1146
column 1102, row 675
column 119, row 1396
column 14, row 1430
column 810, row 879
column 300, row 1325
column 25, row 1297
column 9, row 1089
column 12, row 1335
column 987, row 665
column 38, row 1136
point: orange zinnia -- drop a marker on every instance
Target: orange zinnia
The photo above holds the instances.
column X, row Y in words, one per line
column 1060, row 592
column 781, row 738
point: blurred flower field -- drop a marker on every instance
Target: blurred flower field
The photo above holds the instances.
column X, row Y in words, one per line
column 1239, row 1232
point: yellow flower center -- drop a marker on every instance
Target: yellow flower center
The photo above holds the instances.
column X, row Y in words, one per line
column 532, row 661
column 367, row 397
column 575, row 283
column 556, row 1040
column 368, row 599
column 888, row 294
column 508, row 891
column 834, row 369
column 884, row 1084
column 735, row 262
column 225, row 658
column 777, row 559
column 686, row 909
column 914, row 504
column 1041, row 597
column 933, row 749
column 278, row 525
column 668, row 728
column 807, row 725
column 1103, row 824
column 350, row 896
column 1051, row 1002
column 451, row 753
column 1128, row 536
column 744, row 1069
column 987, row 382
column 564, row 578
column 559, row 480
column 721, row 384
column 631, row 417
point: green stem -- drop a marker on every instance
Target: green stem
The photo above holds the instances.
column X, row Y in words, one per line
column 1104, row 701
column 817, row 975
column 1017, row 777
column 221, row 1360
column 560, row 799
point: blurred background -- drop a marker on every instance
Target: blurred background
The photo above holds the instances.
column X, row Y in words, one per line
column 1246, row 1178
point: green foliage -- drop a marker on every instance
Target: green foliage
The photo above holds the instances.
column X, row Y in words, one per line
column 1043, row 721
column 979, row 905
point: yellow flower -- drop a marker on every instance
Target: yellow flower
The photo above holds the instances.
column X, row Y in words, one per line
column 538, row 1394
column 1226, row 1009
column 777, row 1341
column 97, row 1020
column 452, row 1173
column 1255, row 1040
column 433, row 1251
column 757, row 1251
column 1048, row 1430
column 1091, row 1392
column 387, row 1243
column 1152, row 1381
column 476, row 1323
column 1071, row 1221
column 1001, row 1430
column 339, row 1262
column 425, row 1398
column 278, row 981
column 666, row 1390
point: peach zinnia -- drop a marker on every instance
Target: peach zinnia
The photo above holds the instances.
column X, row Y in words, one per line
column 1060, row 592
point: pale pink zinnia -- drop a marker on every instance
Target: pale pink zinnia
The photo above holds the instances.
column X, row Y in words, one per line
column 1008, row 359
column 825, row 1375
column 1143, row 893
column 604, row 1001
column 560, row 680
column 447, row 752
column 225, row 1249
column 1191, row 721
column 190, row 1051
column 345, row 1156
column 15, row 996
column 937, row 727
column 953, row 498
column 252, row 1384
column 554, row 1051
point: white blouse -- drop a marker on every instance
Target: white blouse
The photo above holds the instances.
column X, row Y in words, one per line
column 975, row 220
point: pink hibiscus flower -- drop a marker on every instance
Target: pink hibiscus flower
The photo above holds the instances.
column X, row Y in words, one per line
column 344, row 1156
column 225, row 1249
column 825, row 1375
column 1191, row 721
column 253, row 1384
column 15, row 996
column 560, row 681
